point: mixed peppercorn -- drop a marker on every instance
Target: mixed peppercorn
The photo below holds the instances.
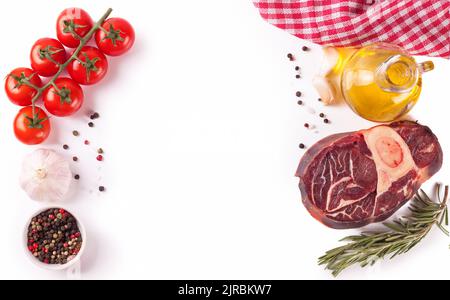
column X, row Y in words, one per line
column 299, row 95
column 54, row 236
column 99, row 151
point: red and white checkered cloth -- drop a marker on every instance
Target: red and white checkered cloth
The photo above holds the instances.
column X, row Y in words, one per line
column 422, row 27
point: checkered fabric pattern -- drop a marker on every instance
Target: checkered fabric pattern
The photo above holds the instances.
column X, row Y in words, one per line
column 422, row 27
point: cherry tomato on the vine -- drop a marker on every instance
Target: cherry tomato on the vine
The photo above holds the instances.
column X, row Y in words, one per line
column 29, row 128
column 89, row 67
column 46, row 56
column 64, row 98
column 115, row 37
column 16, row 86
column 72, row 25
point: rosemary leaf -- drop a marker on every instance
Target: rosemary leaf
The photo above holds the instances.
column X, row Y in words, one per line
column 396, row 227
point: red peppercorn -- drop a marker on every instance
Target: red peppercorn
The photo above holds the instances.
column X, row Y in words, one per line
column 77, row 234
column 62, row 211
column 100, row 158
column 72, row 237
column 51, row 217
column 66, row 245
column 86, row 142
column 30, row 241
column 35, row 246
column 31, row 248
column 46, row 261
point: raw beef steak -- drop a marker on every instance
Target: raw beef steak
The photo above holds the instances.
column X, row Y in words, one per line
column 352, row 179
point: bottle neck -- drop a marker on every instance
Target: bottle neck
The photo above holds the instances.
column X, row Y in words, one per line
column 400, row 74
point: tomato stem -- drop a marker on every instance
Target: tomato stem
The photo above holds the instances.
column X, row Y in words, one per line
column 47, row 53
column 62, row 67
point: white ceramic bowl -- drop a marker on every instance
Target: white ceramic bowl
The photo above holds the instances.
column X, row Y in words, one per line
column 40, row 264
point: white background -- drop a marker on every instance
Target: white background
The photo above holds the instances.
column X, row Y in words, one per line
column 200, row 128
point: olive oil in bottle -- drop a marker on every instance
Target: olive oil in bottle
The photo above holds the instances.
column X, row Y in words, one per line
column 380, row 82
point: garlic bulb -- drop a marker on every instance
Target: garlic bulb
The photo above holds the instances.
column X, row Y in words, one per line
column 45, row 176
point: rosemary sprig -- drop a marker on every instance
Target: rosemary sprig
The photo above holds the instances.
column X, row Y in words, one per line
column 402, row 235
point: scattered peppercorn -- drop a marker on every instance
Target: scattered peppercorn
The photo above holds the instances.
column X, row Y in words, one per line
column 95, row 116
column 290, row 56
column 100, row 151
column 101, row 188
column 100, row 158
column 304, row 48
column 297, row 68
column 298, row 94
column 90, row 124
column 54, row 240
column 301, row 146
column 86, row 142
column 326, row 121
column 77, row 177
column 75, row 133
column 322, row 115
column 65, row 147
column 320, row 99
column 306, row 125
column 75, row 158
column 300, row 102
column 297, row 76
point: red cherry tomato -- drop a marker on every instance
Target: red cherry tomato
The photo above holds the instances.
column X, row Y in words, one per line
column 65, row 99
column 115, row 37
column 73, row 24
column 90, row 66
column 31, row 129
column 46, row 56
column 16, row 89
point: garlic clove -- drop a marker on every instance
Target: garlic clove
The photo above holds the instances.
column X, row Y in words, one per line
column 46, row 176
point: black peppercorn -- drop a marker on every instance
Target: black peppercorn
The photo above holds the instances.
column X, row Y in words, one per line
column 75, row 133
column 300, row 102
column 95, row 116
column 326, row 121
column 297, row 68
column 298, row 94
column 297, row 76
column 101, row 188
column 290, row 56
column 322, row 115
column 77, row 177
column 90, row 124
column 65, row 147
column 301, row 146
column 304, row 48
column 75, row 158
